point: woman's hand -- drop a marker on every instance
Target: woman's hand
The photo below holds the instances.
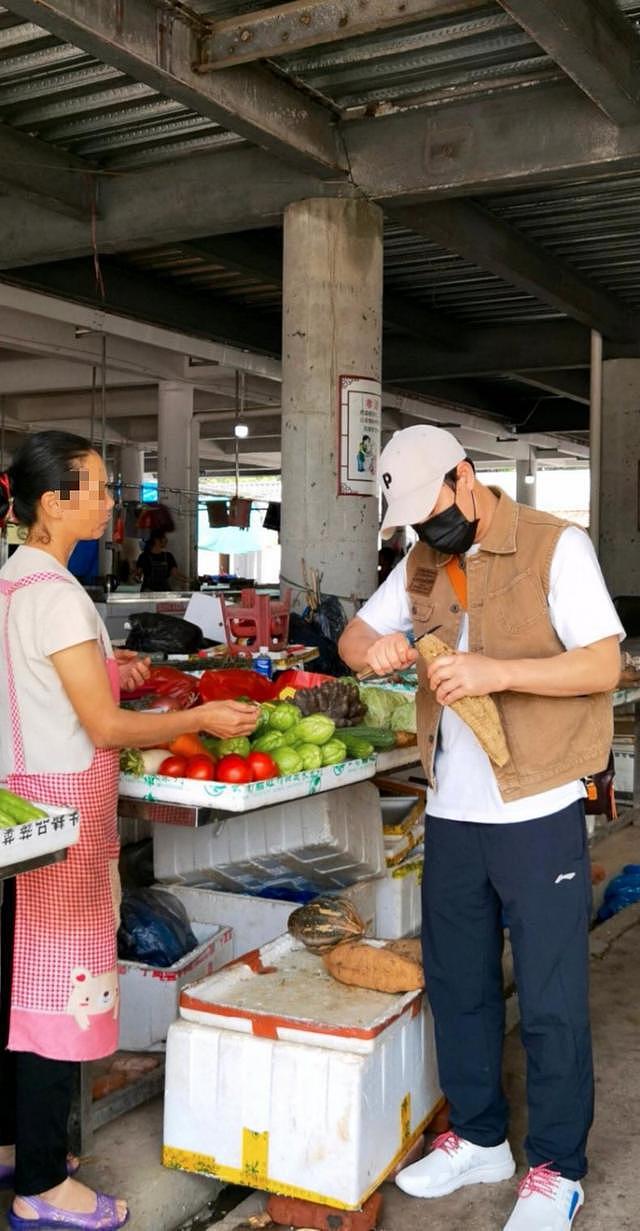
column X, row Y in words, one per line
column 391, row 653
column 228, row 718
column 133, row 670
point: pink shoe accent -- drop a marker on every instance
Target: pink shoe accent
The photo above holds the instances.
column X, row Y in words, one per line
column 541, row 1180
column 449, row 1142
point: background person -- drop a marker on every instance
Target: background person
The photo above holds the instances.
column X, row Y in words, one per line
column 60, row 729
column 156, row 567
column 544, row 638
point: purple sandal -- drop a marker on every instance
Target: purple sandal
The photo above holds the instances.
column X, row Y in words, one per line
column 7, row 1174
column 105, row 1217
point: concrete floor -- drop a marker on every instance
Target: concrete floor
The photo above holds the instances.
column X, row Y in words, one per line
column 125, row 1159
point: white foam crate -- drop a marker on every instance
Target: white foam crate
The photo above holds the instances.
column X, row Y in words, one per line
column 155, row 788
column 325, row 841
column 624, row 758
column 286, row 1081
column 399, row 900
column 149, row 995
column 57, row 831
column 255, row 921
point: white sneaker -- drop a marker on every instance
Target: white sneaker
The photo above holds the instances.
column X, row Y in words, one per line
column 454, row 1163
column 546, row 1202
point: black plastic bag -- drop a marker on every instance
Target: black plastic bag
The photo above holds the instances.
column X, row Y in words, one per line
column 154, row 928
column 153, row 633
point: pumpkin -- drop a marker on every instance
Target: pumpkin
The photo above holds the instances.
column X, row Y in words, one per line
column 324, row 923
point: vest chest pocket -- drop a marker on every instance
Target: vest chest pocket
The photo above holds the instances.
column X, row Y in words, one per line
column 520, row 605
column 421, row 614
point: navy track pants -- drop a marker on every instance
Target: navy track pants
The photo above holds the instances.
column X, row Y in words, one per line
column 535, row 877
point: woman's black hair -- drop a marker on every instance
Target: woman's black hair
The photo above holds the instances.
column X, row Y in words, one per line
column 46, row 462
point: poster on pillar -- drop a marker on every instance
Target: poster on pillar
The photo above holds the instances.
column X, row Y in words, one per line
column 359, row 426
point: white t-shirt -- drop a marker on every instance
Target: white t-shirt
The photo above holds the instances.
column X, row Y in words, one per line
column 581, row 613
column 44, row 618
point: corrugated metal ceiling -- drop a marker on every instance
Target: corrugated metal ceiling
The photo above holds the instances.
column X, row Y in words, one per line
column 58, row 93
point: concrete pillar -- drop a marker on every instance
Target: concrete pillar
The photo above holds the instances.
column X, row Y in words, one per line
column 178, row 468
column 526, row 491
column 332, row 327
column 620, row 476
column 130, row 471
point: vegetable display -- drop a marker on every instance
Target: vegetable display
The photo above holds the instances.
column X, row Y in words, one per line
column 283, row 743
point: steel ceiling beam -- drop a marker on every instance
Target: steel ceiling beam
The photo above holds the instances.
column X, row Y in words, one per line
column 145, row 295
column 508, row 139
column 594, row 43
column 472, row 232
column 33, row 171
column 286, row 29
column 572, row 385
column 491, row 351
column 232, row 190
column 157, row 44
column 260, row 260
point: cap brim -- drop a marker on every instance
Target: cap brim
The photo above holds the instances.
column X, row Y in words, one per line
column 411, row 509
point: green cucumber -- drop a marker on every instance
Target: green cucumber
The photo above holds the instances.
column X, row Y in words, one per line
column 382, row 740
column 20, row 809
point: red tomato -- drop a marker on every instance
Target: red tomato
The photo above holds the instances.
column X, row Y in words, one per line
column 262, row 766
column 233, row 769
column 173, row 767
column 202, row 767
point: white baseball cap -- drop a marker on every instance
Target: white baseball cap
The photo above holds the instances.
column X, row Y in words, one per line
column 411, row 471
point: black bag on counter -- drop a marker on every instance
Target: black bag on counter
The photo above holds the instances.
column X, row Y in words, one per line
column 153, row 633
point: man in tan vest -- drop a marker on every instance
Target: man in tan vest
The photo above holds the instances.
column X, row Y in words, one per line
column 520, row 596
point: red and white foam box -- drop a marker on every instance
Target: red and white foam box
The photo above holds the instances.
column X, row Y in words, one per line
column 281, row 1078
column 149, row 995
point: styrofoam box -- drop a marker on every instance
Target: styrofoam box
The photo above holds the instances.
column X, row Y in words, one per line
column 324, row 841
column 399, row 900
column 255, row 921
column 149, row 996
column 56, row 831
column 624, row 758
column 285, row 1080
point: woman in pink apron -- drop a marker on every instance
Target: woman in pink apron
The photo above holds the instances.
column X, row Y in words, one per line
column 60, row 731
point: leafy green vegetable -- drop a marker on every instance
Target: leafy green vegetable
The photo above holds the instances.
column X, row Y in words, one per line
column 284, row 717
column 333, row 752
column 310, row 755
column 287, row 760
column 236, row 743
column 268, row 742
column 316, row 729
column 131, row 761
column 404, row 717
column 381, row 703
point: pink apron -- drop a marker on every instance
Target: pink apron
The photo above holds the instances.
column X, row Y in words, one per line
column 64, row 1002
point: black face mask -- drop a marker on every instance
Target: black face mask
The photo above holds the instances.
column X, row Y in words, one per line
column 450, row 532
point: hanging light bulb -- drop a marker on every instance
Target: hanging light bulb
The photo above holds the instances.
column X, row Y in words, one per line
column 241, row 430
column 530, row 476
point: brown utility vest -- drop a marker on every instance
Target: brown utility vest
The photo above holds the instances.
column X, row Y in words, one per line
column 552, row 740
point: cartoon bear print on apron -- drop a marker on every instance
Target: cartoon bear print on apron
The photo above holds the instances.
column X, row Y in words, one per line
column 64, row 1001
